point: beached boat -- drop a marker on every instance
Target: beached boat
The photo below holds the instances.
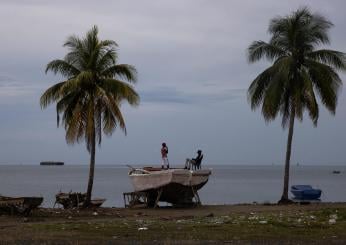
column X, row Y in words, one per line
column 75, row 200
column 21, row 205
column 176, row 186
column 305, row 192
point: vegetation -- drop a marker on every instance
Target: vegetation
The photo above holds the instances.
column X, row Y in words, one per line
column 89, row 98
column 298, row 72
column 285, row 227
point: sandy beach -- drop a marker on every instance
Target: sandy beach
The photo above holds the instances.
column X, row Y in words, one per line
column 224, row 224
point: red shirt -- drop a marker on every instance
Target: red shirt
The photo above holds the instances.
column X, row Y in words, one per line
column 164, row 151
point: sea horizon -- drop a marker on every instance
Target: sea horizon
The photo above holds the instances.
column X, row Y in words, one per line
column 173, row 165
column 245, row 183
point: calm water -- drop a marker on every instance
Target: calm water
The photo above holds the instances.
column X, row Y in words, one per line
column 227, row 185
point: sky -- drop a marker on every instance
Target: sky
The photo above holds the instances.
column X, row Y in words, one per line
column 193, row 77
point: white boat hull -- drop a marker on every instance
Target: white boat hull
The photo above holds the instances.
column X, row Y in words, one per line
column 148, row 180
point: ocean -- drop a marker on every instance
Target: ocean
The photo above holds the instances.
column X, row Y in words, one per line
column 231, row 184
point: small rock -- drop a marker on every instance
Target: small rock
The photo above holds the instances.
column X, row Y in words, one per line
column 69, row 217
column 263, row 222
column 210, row 215
column 142, row 228
column 95, row 213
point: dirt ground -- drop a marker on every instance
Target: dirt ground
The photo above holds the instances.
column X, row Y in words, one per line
column 232, row 224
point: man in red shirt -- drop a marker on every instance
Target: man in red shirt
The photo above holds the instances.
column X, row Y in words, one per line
column 164, row 153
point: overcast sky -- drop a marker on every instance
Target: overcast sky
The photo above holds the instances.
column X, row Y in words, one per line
column 192, row 79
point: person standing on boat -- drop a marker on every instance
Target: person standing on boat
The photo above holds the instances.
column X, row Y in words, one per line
column 164, row 155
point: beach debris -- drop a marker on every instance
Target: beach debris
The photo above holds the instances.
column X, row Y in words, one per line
column 166, row 218
column 333, row 216
column 142, row 228
column 242, row 217
column 73, row 200
column 69, row 217
column 263, row 222
column 210, row 215
column 332, row 221
column 252, row 218
column 95, row 213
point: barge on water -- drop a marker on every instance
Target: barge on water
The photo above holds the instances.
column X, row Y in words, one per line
column 51, row 163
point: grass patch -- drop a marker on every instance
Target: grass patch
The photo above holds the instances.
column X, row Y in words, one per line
column 299, row 226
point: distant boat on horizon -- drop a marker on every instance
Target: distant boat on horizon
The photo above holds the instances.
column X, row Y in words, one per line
column 51, row 163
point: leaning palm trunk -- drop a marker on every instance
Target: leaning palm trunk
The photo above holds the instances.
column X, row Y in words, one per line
column 91, row 170
column 284, row 197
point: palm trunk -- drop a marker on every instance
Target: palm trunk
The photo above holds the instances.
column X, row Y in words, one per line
column 91, row 169
column 284, row 197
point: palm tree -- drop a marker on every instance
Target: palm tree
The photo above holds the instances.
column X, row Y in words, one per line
column 298, row 72
column 90, row 96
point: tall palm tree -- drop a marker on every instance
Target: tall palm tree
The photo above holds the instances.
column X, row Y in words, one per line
column 90, row 96
column 298, row 72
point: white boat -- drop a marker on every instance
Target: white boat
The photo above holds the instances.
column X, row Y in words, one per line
column 176, row 186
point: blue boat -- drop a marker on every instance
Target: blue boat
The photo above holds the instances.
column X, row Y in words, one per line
column 305, row 192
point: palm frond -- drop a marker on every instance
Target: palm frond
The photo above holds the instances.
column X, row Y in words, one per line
column 332, row 58
column 308, row 96
column 64, row 68
column 277, row 73
column 326, row 82
column 121, row 71
column 120, row 91
column 259, row 49
column 51, row 95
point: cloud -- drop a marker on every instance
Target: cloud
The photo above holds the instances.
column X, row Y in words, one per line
column 16, row 91
column 169, row 95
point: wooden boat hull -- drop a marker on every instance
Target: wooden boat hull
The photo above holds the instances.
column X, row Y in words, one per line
column 21, row 205
column 76, row 200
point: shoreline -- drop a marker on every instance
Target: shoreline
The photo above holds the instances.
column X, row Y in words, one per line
column 212, row 224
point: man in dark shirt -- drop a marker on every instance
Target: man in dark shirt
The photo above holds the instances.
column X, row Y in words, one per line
column 195, row 162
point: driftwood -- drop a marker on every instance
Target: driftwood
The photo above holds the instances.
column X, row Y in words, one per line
column 75, row 200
